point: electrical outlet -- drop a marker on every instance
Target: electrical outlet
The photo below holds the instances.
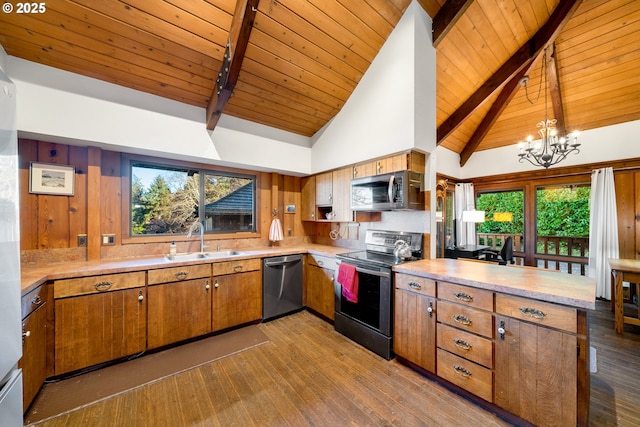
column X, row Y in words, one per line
column 82, row 240
column 108, row 239
column 289, row 232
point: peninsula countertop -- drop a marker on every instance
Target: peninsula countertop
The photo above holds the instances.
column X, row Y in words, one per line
column 34, row 275
column 540, row 284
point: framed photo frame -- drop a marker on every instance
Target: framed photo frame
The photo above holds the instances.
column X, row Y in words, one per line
column 290, row 208
column 46, row 178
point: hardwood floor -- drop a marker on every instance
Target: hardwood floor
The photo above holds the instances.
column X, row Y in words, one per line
column 309, row 375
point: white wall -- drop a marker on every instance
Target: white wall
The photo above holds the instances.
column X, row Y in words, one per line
column 396, row 93
column 609, row 143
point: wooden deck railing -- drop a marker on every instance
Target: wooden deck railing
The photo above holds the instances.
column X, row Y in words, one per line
column 568, row 254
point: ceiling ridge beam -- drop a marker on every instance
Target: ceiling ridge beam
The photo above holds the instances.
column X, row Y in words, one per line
column 447, row 17
column 241, row 26
column 522, row 58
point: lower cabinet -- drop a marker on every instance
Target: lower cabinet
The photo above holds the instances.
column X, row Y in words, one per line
column 179, row 309
column 319, row 285
column 237, row 293
column 98, row 319
column 414, row 336
column 35, row 342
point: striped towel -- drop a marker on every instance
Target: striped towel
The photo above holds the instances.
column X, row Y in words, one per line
column 275, row 232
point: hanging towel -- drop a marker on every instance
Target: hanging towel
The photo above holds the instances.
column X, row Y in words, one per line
column 275, row 232
column 348, row 278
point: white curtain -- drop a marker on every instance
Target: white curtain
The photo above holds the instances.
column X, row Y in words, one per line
column 465, row 200
column 603, row 230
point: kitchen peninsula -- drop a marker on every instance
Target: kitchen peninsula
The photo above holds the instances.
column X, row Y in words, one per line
column 512, row 339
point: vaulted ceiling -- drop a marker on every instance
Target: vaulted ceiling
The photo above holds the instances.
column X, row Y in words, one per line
column 294, row 63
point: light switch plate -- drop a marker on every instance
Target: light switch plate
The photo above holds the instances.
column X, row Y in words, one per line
column 108, row 239
column 82, row 240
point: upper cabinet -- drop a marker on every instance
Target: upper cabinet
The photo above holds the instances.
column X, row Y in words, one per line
column 405, row 161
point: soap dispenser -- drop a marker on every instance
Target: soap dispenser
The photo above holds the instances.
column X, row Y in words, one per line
column 172, row 249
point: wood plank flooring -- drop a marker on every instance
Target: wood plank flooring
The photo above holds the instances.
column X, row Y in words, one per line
column 309, row 375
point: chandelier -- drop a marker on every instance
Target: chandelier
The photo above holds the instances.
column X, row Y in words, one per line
column 552, row 148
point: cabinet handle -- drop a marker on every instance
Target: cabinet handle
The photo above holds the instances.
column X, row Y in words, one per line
column 461, row 296
column 532, row 312
column 459, row 318
column 36, row 300
column 216, row 285
column 140, row 296
column 181, row 275
column 207, row 286
column 25, row 334
column 430, row 309
column 102, row 286
column 414, row 285
column 237, row 268
column 461, row 344
column 460, row 370
column 320, row 263
column 501, row 330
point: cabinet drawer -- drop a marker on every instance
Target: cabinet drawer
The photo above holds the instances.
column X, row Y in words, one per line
column 322, row 261
column 543, row 313
column 468, row 375
column 33, row 300
column 470, row 346
column 240, row 266
column 417, row 284
column 466, row 318
column 95, row 284
column 176, row 274
column 473, row 297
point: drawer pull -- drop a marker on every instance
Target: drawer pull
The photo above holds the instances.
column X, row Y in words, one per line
column 103, row 286
column 181, row 275
column 501, row 330
column 532, row 312
column 36, row 300
column 459, row 318
column 414, row 285
column 430, row 309
column 461, row 296
column 320, row 263
column 237, row 268
column 460, row 370
column 461, row 344
column 140, row 296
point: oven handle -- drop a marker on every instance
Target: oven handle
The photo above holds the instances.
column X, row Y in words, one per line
column 373, row 272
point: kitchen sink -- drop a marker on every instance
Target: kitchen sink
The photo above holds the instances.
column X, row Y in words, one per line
column 192, row 256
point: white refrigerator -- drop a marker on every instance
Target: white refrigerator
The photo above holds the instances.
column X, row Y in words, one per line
column 10, row 311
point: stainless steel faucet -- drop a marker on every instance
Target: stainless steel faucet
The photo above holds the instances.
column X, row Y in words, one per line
column 197, row 225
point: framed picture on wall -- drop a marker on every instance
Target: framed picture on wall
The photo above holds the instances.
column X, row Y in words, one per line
column 46, row 178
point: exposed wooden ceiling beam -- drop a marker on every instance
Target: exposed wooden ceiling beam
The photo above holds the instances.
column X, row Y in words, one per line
column 447, row 17
column 239, row 33
column 554, row 89
column 520, row 59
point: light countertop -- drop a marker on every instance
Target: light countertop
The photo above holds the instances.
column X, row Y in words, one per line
column 540, row 284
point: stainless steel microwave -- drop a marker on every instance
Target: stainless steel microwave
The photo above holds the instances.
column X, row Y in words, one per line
column 392, row 191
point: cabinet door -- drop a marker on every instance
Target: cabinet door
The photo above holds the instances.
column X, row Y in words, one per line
column 342, row 195
column 178, row 311
column 415, row 328
column 535, row 372
column 324, row 189
column 237, row 299
column 308, row 207
column 97, row 328
column 365, row 169
column 34, row 354
column 320, row 291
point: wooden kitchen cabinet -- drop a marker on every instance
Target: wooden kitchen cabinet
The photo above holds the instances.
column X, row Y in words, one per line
column 414, row 334
column 412, row 160
column 308, row 196
column 536, row 364
column 319, row 285
column 179, row 304
column 237, row 293
column 36, row 317
column 324, row 189
column 341, row 184
column 327, row 193
column 98, row 319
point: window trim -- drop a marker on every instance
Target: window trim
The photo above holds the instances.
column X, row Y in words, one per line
column 125, row 166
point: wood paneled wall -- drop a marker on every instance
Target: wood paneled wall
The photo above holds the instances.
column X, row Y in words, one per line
column 50, row 225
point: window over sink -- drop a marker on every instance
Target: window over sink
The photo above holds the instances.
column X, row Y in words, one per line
column 167, row 199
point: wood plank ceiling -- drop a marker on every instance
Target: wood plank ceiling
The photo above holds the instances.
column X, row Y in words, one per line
column 304, row 58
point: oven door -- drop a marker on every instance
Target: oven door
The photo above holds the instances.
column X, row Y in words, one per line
column 374, row 305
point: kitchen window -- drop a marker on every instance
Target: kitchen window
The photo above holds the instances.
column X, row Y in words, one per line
column 166, row 200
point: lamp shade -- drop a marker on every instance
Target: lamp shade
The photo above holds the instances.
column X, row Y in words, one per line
column 473, row 216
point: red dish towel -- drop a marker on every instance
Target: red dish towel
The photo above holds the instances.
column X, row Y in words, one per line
column 348, row 278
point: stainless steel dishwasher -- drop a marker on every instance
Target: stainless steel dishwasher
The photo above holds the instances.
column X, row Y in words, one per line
column 281, row 285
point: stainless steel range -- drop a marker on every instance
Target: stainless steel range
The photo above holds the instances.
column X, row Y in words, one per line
column 367, row 316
